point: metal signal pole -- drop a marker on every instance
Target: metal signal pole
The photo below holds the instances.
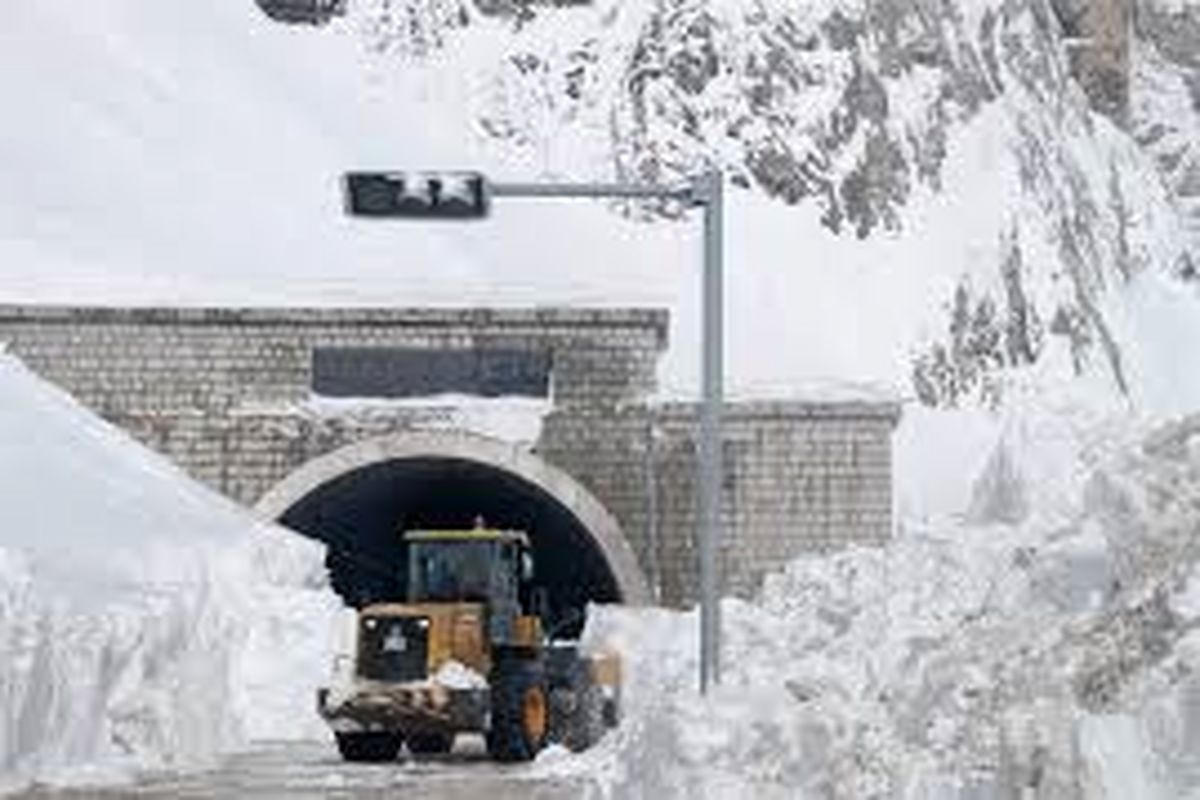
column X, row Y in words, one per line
column 710, row 187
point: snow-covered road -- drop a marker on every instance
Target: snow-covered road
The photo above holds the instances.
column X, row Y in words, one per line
column 313, row 770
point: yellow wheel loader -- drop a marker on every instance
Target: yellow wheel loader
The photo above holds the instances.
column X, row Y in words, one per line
column 466, row 652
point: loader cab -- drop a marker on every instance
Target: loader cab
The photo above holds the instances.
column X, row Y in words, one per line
column 466, row 566
column 485, row 566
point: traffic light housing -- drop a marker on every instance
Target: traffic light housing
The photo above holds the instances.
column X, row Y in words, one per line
column 423, row 195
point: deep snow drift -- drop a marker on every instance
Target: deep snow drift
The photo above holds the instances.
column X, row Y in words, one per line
column 1044, row 643
column 144, row 621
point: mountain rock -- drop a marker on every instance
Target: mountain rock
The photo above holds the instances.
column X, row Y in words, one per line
column 850, row 110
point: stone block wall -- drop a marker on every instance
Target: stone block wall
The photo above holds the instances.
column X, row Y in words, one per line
column 212, row 360
column 216, row 389
column 798, row 477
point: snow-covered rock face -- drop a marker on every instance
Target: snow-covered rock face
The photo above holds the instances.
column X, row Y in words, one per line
column 854, row 107
column 847, row 103
column 1166, row 111
column 927, row 204
column 859, row 112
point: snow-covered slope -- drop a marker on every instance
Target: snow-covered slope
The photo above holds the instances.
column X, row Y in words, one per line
column 144, row 621
column 929, row 204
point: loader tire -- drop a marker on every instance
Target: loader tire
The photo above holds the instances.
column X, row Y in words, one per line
column 423, row 744
column 372, row 748
column 586, row 725
column 520, row 710
column 578, row 715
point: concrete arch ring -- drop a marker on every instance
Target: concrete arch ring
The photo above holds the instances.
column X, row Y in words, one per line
column 505, row 457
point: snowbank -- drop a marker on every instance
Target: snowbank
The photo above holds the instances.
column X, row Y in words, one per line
column 1054, row 654
column 144, row 620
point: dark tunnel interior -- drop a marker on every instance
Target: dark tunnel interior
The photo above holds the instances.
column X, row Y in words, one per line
column 361, row 517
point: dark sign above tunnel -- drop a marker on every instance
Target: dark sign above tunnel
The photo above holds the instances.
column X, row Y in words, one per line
column 416, row 372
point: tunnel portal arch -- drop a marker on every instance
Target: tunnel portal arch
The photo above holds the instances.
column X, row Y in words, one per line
column 443, row 479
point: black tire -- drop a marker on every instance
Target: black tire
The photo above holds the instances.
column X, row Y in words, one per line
column 586, row 725
column 611, row 713
column 422, row 744
column 371, row 748
column 578, row 721
column 517, row 687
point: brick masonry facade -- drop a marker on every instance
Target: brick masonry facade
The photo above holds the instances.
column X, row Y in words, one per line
column 798, row 477
column 216, row 390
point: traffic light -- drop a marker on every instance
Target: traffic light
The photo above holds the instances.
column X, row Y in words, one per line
column 427, row 195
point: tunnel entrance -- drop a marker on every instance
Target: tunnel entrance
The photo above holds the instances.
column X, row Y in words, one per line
column 359, row 501
column 362, row 515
